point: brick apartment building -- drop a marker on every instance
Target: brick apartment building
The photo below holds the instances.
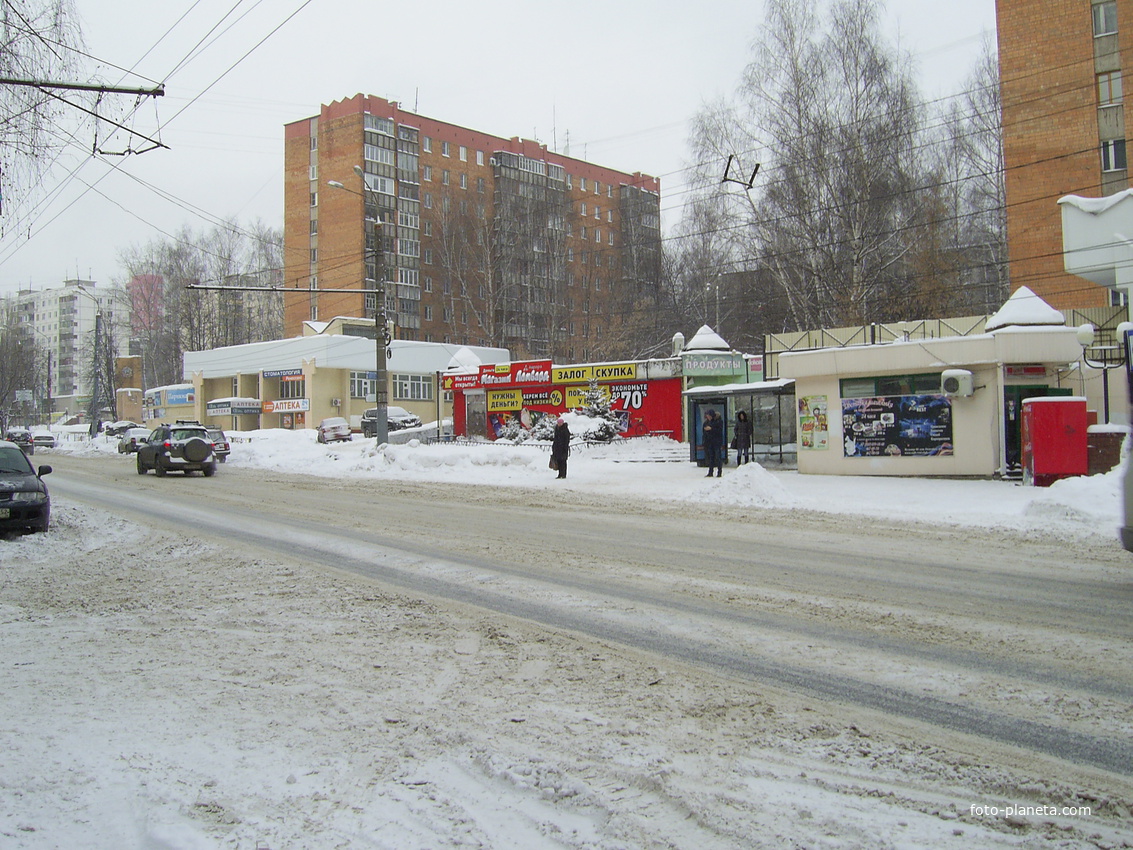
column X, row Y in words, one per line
column 1064, row 120
column 484, row 240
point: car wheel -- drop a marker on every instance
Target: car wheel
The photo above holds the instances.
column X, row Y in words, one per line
column 222, row 459
column 209, row 470
column 158, row 469
column 141, row 466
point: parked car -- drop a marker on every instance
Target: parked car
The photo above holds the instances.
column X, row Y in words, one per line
column 335, row 429
column 43, row 440
column 184, row 446
column 220, row 445
column 25, row 504
column 131, row 438
column 22, row 438
column 397, row 419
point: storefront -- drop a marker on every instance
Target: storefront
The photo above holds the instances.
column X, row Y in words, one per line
column 493, row 398
column 939, row 407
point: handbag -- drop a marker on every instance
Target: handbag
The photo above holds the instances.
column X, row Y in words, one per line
column 554, row 464
column 735, row 442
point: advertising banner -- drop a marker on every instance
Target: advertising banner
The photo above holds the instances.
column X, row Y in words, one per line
column 897, row 426
column 814, row 428
column 287, row 405
column 600, row 372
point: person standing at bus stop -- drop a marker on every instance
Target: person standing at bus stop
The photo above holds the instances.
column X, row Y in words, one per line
column 743, row 437
column 713, row 430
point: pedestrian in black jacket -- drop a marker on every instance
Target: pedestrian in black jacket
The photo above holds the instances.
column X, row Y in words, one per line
column 743, row 438
column 560, row 446
column 714, row 443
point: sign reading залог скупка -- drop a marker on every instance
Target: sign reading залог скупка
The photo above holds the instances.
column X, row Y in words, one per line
column 897, row 426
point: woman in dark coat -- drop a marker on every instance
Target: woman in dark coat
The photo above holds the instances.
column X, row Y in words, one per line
column 743, row 438
column 560, row 446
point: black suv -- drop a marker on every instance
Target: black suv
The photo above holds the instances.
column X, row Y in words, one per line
column 184, row 446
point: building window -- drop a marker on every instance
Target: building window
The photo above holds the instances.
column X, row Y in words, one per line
column 426, row 144
column 314, row 255
column 582, row 208
column 314, row 172
column 463, row 181
column 480, row 185
column 428, row 284
column 444, row 149
column 463, row 154
column 428, row 256
column 428, row 228
column 444, row 177
column 293, row 389
column 361, row 386
column 479, row 157
column 1105, row 18
column 427, row 200
column 426, row 172
column 1109, row 88
column 428, row 313
column 314, row 199
column 314, row 226
column 1113, row 155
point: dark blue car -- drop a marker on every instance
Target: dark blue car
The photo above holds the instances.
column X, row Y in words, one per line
column 24, row 502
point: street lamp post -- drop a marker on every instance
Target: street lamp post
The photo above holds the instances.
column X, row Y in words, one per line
column 381, row 330
column 1103, row 357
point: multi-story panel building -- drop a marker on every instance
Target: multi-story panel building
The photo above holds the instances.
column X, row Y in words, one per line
column 62, row 321
column 474, row 238
column 1064, row 118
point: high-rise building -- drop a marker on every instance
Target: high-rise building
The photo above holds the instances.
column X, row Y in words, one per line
column 63, row 321
column 483, row 240
column 1064, row 118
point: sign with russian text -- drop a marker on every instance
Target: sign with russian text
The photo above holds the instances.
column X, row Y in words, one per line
column 283, row 373
column 897, row 426
column 714, row 363
column 529, row 373
column 600, row 372
column 287, row 405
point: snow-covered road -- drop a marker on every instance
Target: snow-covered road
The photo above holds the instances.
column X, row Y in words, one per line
column 272, row 701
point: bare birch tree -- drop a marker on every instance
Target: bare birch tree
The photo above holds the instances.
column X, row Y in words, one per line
column 39, row 41
column 831, row 114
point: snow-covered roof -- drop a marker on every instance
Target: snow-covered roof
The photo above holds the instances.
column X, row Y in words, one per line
column 329, row 351
column 1026, row 309
column 463, row 361
column 740, row 389
column 1095, row 206
column 706, row 339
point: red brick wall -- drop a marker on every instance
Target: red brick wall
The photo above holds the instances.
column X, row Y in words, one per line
column 1050, row 131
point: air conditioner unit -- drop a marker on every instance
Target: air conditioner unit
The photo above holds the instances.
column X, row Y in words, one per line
column 957, row 382
column 336, row 402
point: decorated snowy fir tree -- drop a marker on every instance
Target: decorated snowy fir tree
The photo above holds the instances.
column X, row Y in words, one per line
column 596, row 405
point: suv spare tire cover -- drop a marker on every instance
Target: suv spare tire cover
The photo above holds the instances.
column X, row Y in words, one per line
column 196, row 450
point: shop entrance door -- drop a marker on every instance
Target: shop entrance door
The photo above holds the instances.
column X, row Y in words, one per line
column 1013, row 396
column 476, row 414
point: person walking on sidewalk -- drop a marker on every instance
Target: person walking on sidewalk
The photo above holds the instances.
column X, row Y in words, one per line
column 560, row 446
column 713, row 443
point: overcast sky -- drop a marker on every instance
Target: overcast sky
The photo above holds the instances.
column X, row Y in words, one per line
column 619, row 79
